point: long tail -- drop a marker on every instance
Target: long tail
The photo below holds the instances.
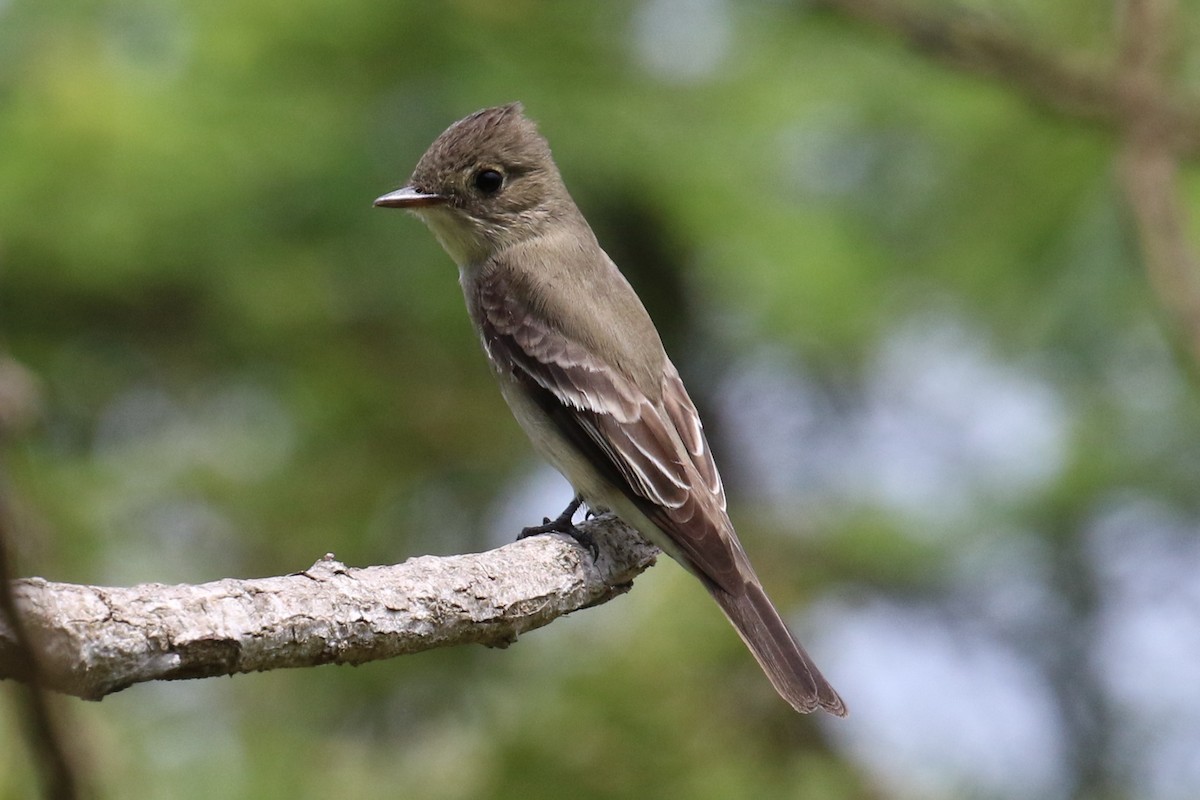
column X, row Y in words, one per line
column 791, row 671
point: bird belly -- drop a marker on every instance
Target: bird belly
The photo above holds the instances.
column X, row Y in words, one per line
column 596, row 490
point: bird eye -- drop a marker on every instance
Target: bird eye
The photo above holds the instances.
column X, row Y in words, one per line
column 488, row 181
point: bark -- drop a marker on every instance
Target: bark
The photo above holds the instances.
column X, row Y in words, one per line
column 92, row 641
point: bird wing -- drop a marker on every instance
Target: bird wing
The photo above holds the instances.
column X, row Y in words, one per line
column 655, row 453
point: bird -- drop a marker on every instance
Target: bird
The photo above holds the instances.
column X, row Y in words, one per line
column 583, row 369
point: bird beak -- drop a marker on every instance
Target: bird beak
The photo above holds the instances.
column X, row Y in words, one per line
column 409, row 197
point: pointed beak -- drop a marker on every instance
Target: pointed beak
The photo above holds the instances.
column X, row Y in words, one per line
column 408, row 197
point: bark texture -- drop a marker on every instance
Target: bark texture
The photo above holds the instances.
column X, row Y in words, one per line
column 92, row 641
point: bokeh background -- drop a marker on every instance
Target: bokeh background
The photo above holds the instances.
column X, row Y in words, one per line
column 959, row 429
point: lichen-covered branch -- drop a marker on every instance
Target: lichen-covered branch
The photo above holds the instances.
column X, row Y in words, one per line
column 93, row 640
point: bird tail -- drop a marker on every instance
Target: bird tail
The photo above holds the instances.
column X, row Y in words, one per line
column 791, row 671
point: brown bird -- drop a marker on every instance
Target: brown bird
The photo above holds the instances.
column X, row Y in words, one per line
column 583, row 369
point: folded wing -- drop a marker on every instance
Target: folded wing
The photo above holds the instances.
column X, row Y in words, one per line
column 655, row 453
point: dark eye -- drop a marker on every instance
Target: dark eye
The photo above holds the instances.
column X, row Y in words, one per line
column 488, row 181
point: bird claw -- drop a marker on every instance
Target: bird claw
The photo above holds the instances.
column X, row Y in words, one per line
column 563, row 524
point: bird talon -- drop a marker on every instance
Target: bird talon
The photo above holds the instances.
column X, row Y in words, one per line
column 563, row 524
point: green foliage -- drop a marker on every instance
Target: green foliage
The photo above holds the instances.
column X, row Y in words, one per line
column 246, row 366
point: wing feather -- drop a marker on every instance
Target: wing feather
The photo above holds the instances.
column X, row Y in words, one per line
column 683, row 415
column 656, row 454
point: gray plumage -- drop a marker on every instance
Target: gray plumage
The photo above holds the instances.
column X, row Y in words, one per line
column 582, row 366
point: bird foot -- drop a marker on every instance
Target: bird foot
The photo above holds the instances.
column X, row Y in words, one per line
column 563, row 524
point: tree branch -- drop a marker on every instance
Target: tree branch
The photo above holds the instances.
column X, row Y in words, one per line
column 56, row 761
column 93, row 641
column 1149, row 168
column 972, row 43
column 1155, row 126
column 50, row 753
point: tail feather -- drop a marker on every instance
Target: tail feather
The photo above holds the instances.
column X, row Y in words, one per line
column 791, row 671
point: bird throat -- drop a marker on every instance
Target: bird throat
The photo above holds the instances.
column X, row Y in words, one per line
column 456, row 234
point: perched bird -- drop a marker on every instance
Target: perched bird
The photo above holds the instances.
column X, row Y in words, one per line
column 584, row 371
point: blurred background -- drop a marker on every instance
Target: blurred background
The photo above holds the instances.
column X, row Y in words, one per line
column 959, row 430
